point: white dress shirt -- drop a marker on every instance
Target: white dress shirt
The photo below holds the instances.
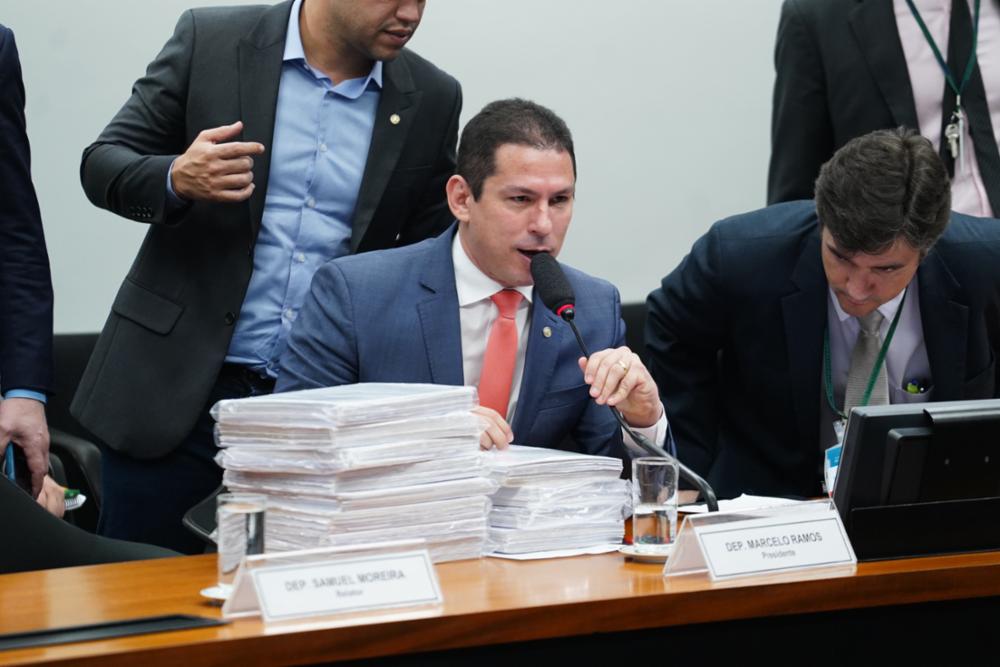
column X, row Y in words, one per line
column 906, row 359
column 477, row 312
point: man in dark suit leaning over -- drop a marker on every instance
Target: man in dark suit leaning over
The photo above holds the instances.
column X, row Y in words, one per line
column 25, row 282
column 460, row 308
column 771, row 328
column 262, row 142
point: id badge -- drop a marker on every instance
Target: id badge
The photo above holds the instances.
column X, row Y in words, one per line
column 831, row 458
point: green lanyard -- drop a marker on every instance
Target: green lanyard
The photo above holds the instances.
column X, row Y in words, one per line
column 969, row 65
column 828, row 371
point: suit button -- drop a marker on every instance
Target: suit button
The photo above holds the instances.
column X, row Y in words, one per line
column 230, row 318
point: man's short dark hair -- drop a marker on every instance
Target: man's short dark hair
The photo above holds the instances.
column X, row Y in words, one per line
column 883, row 186
column 513, row 121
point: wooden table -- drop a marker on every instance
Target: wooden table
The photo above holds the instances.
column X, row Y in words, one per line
column 488, row 602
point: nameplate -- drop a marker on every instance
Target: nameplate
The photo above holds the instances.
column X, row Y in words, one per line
column 775, row 544
column 352, row 584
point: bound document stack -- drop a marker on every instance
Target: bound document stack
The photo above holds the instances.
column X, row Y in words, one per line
column 361, row 463
column 551, row 500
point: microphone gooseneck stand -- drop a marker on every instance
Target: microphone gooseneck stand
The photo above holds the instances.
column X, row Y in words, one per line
column 645, row 443
column 557, row 294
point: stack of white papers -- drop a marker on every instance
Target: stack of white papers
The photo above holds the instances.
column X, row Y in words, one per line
column 551, row 500
column 361, row 463
column 346, row 405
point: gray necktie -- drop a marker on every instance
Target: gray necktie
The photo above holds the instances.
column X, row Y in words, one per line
column 863, row 358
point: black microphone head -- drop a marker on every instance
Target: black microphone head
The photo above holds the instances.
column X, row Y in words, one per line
column 551, row 285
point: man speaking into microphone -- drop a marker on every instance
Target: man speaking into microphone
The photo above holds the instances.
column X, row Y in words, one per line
column 462, row 308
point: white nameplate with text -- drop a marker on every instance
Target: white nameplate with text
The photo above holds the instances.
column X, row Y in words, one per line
column 350, row 584
column 775, row 544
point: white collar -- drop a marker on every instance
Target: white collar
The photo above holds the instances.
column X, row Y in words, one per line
column 471, row 284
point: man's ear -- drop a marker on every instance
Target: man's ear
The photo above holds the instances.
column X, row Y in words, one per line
column 459, row 197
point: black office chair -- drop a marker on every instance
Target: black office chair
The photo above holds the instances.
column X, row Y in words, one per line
column 634, row 315
column 73, row 448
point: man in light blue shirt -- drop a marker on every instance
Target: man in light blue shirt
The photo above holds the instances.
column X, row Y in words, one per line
column 262, row 142
column 322, row 136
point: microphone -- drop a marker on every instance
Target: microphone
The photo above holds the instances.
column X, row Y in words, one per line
column 556, row 293
column 552, row 287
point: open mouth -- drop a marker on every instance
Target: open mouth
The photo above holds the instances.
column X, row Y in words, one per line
column 399, row 35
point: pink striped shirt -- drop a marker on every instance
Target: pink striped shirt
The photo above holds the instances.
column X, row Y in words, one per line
column 967, row 190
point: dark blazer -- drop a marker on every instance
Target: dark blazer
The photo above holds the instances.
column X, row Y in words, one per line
column 735, row 335
column 172, row 320
column 25, row 282
column 841, row 73
column 392, row 316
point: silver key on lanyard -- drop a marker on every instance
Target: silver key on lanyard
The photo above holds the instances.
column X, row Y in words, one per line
column 954, row 132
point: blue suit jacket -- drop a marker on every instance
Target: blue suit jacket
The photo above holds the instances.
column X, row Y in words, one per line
column 25, row 283
column 392, row 316
column 735, row 335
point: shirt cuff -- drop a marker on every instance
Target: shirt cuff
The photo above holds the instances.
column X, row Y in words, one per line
column 657, row 434
column 174, row 200
column 26, row 393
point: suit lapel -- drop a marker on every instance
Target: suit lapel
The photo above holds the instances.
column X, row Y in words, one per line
column 539, row 365
column 260, row 57
column 399, row 100
column 945, row 322
column 804, row 315
column 874, row 25
column 438, row 314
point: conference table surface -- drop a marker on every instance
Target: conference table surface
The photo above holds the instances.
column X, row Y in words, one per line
column 486, row 602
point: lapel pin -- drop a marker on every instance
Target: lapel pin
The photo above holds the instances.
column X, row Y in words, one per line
column 394, row 119
column 547, row 332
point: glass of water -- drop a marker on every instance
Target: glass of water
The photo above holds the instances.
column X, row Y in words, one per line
column 654, row 504
column 240, row 531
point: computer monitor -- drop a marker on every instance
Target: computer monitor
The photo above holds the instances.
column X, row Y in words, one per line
column 918, row 454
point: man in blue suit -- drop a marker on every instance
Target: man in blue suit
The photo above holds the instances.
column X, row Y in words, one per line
column 25, row 283
column 431, row 312
column 755, row 337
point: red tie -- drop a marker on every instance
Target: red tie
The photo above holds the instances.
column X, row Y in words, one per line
column 501, row 354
